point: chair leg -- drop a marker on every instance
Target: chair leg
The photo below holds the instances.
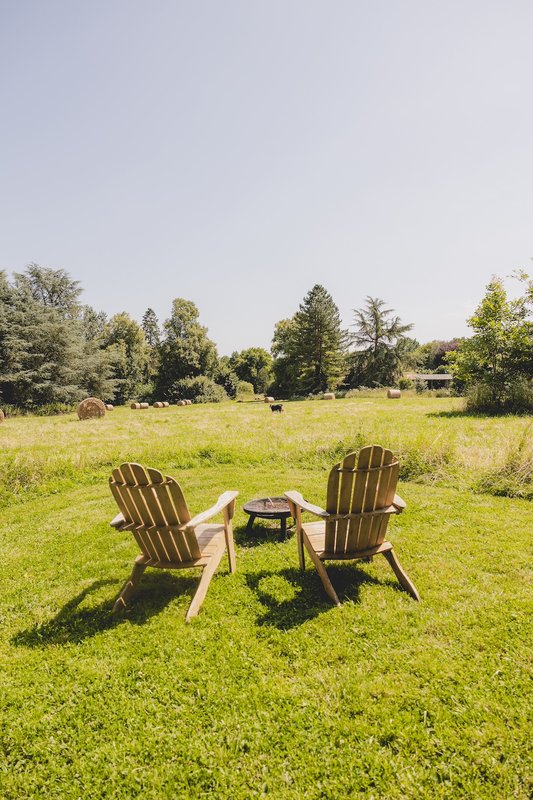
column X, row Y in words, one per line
column 300, row 545
column 129, row 587
column 320, row 568
column 402, row 576
column 205, row 579
column 230, row 546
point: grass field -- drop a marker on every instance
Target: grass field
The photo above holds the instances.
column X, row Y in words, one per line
column 271, row 691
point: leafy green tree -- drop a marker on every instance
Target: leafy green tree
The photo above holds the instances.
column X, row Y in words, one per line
column 431, row 356
column 226, row 377
column 496, row 363
column 379, row 340
column 285, row 363
column 124, row 341
column 253, row 365
column 186, row 351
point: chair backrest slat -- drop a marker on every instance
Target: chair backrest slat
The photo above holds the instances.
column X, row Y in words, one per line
column 347, row 482
column 360, row 486
column 127, row 505
column 150, row 491
column 363, row 467
column 155, row 507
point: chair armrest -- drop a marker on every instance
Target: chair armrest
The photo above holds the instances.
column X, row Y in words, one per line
column 224, row 500
column 118, row 521
column 297, row 499
column 399, row 504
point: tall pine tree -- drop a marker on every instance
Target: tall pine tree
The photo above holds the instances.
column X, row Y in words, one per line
column 312, row 345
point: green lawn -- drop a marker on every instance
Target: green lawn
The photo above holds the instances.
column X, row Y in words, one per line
column 271, row 690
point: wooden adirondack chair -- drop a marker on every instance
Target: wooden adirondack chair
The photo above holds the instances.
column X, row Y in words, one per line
column 360, row 500
column 153, row 508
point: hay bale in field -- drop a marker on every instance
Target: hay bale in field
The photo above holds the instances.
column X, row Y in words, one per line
column 109, row 407
column 269, row 399
column 144, row 405
column 2, row 415
column 91, row 408
column 158, row 404
column 329, row 395
column 394, row 394
column 188, row 402
column 181, row 403
column 166, row 404
column 135, row 405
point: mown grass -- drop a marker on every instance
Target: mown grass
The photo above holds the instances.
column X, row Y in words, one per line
column 270, row 691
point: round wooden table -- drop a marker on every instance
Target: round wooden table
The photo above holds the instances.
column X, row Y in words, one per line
column 268, row 508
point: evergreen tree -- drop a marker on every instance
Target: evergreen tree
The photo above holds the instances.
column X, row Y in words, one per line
column 319, row 342
column 152, row 335
column 380, row 341
column 92, row 323
column 52, row 288
column 44, row 356
column 150, row 326
column 186, row 351
column 98, row 364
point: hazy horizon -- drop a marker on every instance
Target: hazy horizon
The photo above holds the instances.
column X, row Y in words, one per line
column 236, row 154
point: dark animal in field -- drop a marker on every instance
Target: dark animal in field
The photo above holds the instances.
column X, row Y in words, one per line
column 276, row 407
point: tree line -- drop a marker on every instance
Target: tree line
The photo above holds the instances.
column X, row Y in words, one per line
column 54, row 349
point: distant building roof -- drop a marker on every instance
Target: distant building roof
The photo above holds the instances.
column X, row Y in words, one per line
column 422, row 376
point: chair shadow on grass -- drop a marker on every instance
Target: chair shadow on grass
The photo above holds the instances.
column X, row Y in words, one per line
column 72, row 624
column 261, row 533
column 292, row 597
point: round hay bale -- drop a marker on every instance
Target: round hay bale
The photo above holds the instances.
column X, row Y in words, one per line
column 166, row 404
column 181, row 403
column 135, row 405
column 189, row 402
column 394, row 394
column 144, row 405
column 91, row 408
column 2, row 415
column 109, row 407
column 157, row 404
column 329, row 396
column 269, row 399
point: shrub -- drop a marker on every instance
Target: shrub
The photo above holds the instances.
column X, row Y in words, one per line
column 245, row 390
column 517, row 398
column 421, row 386
column 405, row 383
column 200, row 390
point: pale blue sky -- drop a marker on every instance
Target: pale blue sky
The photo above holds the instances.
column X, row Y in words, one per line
column 237, row 153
